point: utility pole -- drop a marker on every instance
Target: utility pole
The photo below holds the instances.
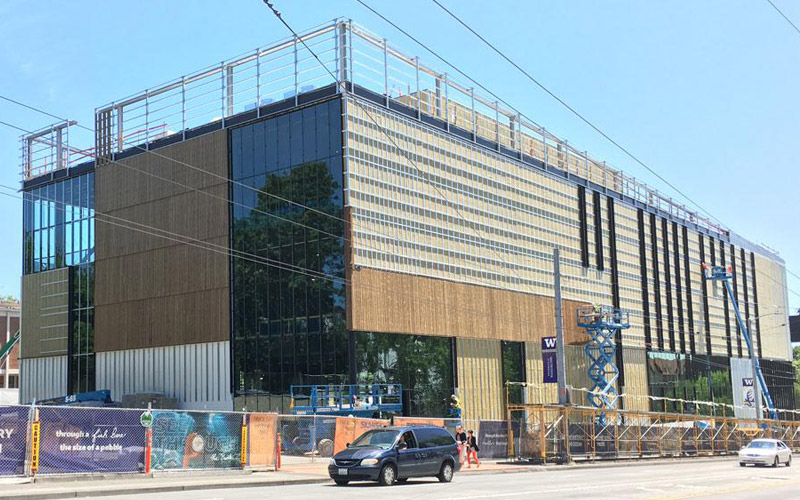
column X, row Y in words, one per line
column 561, row 363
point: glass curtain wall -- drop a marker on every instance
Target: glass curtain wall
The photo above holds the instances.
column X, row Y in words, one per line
column 422, row 364
column 58, row 224
column 688, row 378
column 81, row 349
column 58, row 231
column 513, row 354
column 779, row 377
column 288, row 281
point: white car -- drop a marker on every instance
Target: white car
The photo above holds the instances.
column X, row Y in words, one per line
column 765, row 452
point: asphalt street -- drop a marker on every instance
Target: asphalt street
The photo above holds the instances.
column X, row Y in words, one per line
column 717, row 479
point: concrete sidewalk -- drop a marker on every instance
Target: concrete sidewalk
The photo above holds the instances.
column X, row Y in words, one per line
column 297, row 472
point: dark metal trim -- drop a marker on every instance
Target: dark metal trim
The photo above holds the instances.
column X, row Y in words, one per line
column 584, row 230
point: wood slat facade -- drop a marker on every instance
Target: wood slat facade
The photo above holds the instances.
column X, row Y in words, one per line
column 153, row 291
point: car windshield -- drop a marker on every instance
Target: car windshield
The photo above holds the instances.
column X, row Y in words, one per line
column 377, row 438
column 761, row 444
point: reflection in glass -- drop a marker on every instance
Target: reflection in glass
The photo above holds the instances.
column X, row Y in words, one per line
column 513, row 369
column 288, row 314
column 690, row 378
column 423, row 364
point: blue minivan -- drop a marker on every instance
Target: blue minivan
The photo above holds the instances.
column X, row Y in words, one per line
column 395, row 454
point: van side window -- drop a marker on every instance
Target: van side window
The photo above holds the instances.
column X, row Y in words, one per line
column 431, row 438
column 408, row 436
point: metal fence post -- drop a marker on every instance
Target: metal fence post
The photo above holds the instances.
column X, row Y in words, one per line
column 542, row 442
column 183, row 107
column 386, row 74
column 295, row 70
column 258, row 82
column 147, row 120
column 419, row 96
column 222, row 91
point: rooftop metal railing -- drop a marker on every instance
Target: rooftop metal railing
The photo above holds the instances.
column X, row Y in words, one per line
column 350, row 56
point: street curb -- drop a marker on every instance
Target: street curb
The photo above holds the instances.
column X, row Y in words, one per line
column 600, row 465
column 321, row 480
column 166, row 489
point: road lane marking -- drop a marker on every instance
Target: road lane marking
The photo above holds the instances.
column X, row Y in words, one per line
column 739, row 489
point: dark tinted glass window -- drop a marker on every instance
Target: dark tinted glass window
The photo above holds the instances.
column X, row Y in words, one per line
column 289, row 308
column 514, row 369
column 687, row 377
column 431, row 438
column 58, row 232
column 422, row 364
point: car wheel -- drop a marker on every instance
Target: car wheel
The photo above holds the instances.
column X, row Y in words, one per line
column 446, row 473
column 789, row 461
column 387, row 476
column 742, row 464
column 341, row 482
column 775, row 463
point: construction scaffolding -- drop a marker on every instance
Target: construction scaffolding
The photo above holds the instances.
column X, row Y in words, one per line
column 556, row 433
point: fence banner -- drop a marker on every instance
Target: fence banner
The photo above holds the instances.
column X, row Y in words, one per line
column 349, row 428
column 403, row 421
column 13, row 429
column 263, row 432
column 493, row 438
column 90, row 440
column 194, row 440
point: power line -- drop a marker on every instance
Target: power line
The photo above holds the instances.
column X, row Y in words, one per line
column 784, row 16
column 446, row 61
column 394, row 143
column 483, row 242
column 574, row 111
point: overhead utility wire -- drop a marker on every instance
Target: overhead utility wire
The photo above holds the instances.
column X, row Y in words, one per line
column 366, row 243
column 575, row 112
column 460, row 71
column 385, row 132
column 232, row 251
column 220, row 249
column 784, row 16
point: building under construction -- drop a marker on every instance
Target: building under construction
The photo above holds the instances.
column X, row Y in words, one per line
column 279, row 219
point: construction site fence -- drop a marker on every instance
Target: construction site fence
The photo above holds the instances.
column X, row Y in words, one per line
column 555, row 433
column 46, row 440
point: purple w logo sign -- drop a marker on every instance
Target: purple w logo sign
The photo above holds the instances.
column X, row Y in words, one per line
column 548, row 343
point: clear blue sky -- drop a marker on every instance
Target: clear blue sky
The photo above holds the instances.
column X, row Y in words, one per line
column 705, row 92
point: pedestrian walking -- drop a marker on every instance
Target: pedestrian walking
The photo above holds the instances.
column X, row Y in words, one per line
column 461, row 441
column 472, row 449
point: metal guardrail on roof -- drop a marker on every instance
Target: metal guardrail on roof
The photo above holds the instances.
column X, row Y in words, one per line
column 350, row 56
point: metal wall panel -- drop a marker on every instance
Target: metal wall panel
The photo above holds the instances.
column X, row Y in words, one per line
column 42, row 378
column 197, row 375
column 154, row 291
column 636, row 386
column 45, row 315
column 480, row 378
